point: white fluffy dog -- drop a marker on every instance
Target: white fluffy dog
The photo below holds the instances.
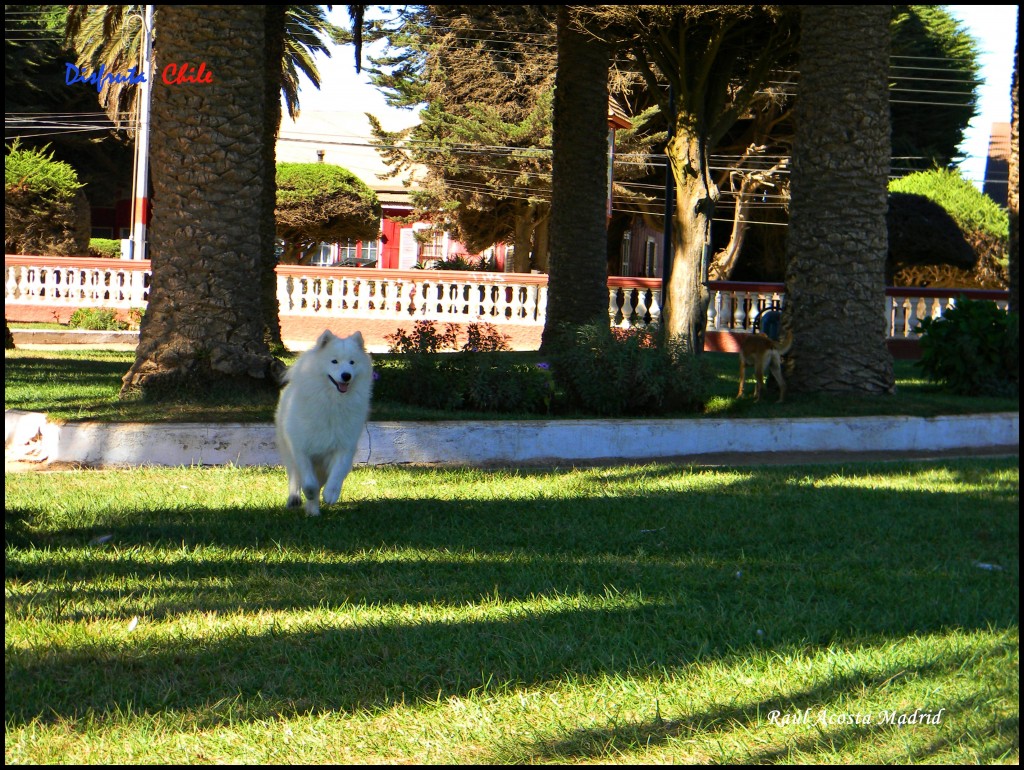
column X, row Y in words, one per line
column 320, row 416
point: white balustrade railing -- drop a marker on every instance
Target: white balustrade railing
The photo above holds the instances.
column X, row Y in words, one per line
column 735, row 306
column 905, row 307
column 438, row 295
column 449, row 296
column 76, row 282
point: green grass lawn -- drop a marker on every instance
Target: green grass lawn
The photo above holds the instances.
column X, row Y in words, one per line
column 38, row 326
column 860, row 613
column 84, row 385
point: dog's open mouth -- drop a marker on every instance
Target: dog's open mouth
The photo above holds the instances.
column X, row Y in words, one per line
column 341, row 386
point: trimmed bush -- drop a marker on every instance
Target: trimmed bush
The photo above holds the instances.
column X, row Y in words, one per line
column 105, row 248
column 984, row 223
column 623, row 374
column 45, row 210
column 969, row 207
column 96, row 319
column 973, row 349
column 319, row 202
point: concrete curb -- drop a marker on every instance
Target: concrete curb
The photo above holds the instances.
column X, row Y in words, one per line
column 81, row 337
column 29, row 436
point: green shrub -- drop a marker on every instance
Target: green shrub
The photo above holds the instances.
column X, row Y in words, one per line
column 972, row 349
column 477, row 382
column 46, row 211
column 485, row 338
column 605, row 373
column 473, row 379
column 135, row 317
column 96, row 319
column 425, row 338
column 622, row 374
column 492, row 383
column 106, row 248
column 969, row 207
column 462, row 262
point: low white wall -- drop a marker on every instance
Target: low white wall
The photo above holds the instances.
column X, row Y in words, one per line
column 519, row 442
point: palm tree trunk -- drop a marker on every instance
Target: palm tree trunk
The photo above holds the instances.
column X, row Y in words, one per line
column 204, row 322
column 837, row 240
column 578, row 281
column 275, row 26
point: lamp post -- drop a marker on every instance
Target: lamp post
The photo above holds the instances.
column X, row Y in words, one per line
column 140, row 186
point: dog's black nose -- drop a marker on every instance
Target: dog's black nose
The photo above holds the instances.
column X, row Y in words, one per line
column 345, row 377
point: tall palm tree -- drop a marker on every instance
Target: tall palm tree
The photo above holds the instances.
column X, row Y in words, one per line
column 276, row 43
column 578, row 275
column 110, row 36
column 357, row 18
column 204, row 322
column 837, row 240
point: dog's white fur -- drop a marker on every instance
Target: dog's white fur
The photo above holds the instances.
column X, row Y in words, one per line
column 320, row 415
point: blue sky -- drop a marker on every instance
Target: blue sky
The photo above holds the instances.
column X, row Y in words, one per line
column 995, row 29
column 993, row 26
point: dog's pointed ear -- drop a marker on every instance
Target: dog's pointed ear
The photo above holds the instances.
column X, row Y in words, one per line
column 358, row 337
column 324, row 338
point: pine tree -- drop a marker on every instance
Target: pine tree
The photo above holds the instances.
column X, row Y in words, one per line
column 486, row 74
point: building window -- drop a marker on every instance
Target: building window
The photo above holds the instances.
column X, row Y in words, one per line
column 624, row 252
column 348, row 250
column 371, row 251
column 323, row 256
column 432, row 247
column 651, row 258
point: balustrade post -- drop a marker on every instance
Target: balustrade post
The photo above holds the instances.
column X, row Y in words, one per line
column 641, row 308
column 655, row 308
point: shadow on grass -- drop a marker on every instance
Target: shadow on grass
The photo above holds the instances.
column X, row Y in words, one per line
column 43, row 383
column 88, row 387
column 602, row 584
column 823, row 707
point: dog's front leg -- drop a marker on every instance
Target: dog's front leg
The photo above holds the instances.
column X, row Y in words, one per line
column 294, row 477
column 340, row 468
column 306, row 473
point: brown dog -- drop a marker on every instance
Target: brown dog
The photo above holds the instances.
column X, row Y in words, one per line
column 763, row 352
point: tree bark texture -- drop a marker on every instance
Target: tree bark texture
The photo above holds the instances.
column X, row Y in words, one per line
column 204, row 319
column 578, row 280
column 685, row 311
column 837, row 239
column 274, row 62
